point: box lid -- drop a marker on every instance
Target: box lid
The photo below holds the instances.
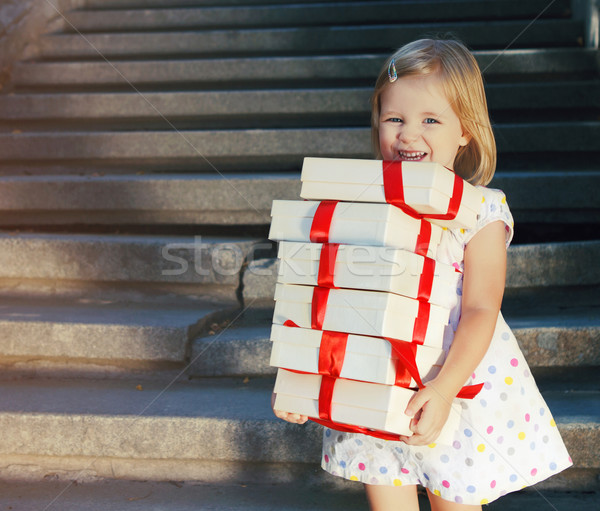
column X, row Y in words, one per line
column 358, row 299
column 428, row 186
column 382, row 260
column 359, row 344
column 370, row 172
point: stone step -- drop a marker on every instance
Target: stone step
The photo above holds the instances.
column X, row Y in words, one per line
column 265, row 108
column 290, row 41
column 529, row 266
column 297, row 14
column 268, row 149
column 565, row 339
column 325, row 70
column 208, row 265
column 211, row 431
column 298, row 495
column 166, row 199
column 100, row 336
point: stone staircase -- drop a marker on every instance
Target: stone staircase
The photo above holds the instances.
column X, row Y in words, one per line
column 140, row 150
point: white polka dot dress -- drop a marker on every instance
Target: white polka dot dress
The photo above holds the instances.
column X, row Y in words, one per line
column 507, row 437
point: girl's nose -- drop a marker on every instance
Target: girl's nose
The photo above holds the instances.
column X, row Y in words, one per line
column 408, row 134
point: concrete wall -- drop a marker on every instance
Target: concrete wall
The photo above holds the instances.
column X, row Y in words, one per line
column 21, row 24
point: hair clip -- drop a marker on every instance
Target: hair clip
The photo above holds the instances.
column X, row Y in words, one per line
column 392, row 75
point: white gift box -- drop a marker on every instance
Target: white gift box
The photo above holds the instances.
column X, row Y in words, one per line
column 369, row 405
column 428, row 187
column 367, row 267
column 360, row 312
column 352, row 223
column 366, row 358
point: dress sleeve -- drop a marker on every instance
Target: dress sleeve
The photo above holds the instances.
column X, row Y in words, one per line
column 493, row 208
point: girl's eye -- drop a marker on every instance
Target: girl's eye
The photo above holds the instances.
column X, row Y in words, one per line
column 430, row 120
column 394, row 119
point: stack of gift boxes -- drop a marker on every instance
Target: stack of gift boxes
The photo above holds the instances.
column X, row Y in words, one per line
column 359, row 316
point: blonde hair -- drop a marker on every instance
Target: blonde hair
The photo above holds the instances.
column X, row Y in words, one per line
column 463, row 86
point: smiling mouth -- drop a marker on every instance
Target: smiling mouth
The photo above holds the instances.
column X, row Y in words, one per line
column 411, row 155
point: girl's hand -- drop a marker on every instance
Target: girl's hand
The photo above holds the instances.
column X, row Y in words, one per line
column 295, row 418
column 429, row 409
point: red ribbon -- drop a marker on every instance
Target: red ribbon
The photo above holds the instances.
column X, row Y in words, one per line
column 426, row 280
column 393, row 188
column 423, row 239
column 327, row 264
column 318, row 307
column 421, row 322
column 331, row 359
column 321, row 224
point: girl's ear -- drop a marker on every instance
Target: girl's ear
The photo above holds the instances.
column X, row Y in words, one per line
column 465, row 139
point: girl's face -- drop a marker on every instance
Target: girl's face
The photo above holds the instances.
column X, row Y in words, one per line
column 417, row 123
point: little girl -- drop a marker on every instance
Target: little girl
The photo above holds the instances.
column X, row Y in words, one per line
column 429, row 105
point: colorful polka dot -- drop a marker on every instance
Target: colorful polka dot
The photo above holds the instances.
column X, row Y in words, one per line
column 513, row 478
column 522, row 435
column 505, row 336
column 326, row 459
column 511, row 451
column 542, row 411
column 383, row 470
column 490, row 429
column 500, row 439
column 481, row 447
column 492, row 457
column 404, row 470
column 437, row 492
column 492, row 369
column 514, row 362
column 532, row 446
column 468, row 432
column 484, row 501
column 510, row 424
column 503, row 396
column 432, row 445
column 483, row 403
column 343, row 464
column 552, row 466
column 493, row 484
column 445, row 484
column 397, row 482
column 327, row 433
column 444, row 458
column 552, row 423
column 353, row 478
column 361, row 466
column 527, row 417
column 487, row 385
column 458, row 500
column 425, row 476
column 456, row 444
column 469, row 462
column 533, row 471
column 471, row 488
column 508, row 380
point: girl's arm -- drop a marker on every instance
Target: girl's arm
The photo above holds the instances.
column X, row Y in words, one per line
column 483, row 287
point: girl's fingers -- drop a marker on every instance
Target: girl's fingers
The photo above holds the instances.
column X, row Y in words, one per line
column 295, row 418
